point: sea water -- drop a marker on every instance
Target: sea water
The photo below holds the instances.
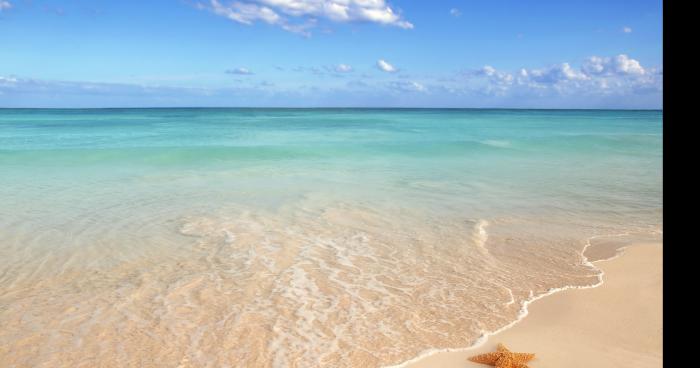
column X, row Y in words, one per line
column 302, row 237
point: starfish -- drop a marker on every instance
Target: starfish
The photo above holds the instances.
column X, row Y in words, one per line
column 504, row 358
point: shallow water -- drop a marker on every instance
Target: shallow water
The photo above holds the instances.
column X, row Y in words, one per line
column 303, row 238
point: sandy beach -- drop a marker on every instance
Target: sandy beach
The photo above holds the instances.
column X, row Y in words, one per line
column 618, row 324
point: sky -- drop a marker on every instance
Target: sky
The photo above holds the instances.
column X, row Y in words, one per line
column 332, row 53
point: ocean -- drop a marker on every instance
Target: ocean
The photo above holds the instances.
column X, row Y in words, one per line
column 303, row 237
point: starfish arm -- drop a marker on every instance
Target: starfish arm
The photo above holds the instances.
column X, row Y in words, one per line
column 522, row 357
column 488, row 358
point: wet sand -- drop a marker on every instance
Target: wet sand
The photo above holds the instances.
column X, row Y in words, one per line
column 618, row 324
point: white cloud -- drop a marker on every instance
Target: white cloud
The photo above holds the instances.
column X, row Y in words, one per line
column 497, row 78
column 240, row 71
column 556, row 73
column 245, row 13
column 417, row 86
column 384, row 66
column 343, row 68
column 487, row 70
column 4, row 5
column 407, row 86
column 7, row 81
column 455, row 12
column 282, row 12
column 337, row 70
column 617, row 65
column 593, row 67
column 627, row 29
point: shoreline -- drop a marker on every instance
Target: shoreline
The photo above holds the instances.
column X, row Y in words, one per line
column 624, row 258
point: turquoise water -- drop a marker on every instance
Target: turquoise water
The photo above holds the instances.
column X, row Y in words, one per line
column 428, row 206
column 609, row 159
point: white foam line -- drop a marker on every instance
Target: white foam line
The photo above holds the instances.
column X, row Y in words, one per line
column 523, row 311
column 512, row 297
column 482, row 236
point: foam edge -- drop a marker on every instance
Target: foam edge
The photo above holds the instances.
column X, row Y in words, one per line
column 481, row 340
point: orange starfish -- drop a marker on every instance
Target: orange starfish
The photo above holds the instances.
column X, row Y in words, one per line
column 504, row 358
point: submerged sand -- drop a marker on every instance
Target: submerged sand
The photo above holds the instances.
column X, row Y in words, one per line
column 340, row 286
column 618, row 324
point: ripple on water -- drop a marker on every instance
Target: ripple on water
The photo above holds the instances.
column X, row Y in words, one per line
column 345, row 286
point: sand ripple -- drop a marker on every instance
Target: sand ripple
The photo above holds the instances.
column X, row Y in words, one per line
column 338, row 286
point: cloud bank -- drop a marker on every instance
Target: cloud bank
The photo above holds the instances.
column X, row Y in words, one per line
column 596, row 82
column 597, row 77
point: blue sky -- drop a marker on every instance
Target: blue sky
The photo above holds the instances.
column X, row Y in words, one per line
column 458, row 53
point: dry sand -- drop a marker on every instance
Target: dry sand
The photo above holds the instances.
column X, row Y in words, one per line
column 618, row 324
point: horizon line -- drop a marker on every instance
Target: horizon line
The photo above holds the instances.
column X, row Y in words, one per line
column 327, row 108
